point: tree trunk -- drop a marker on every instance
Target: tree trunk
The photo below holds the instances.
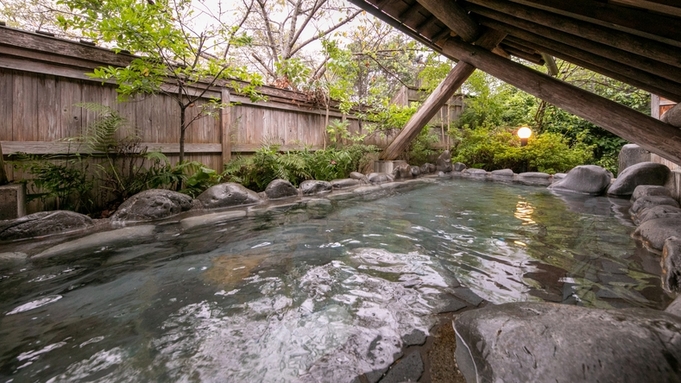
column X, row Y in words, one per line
column 3, row 175
column 183, row 128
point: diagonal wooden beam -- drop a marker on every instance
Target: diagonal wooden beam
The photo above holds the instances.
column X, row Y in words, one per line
column 438, row 98
column 651, row 134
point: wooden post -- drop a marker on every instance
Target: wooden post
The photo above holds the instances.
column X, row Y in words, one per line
column 437, row 99
column 651, row 134
column 225, row 125
column 3, row 174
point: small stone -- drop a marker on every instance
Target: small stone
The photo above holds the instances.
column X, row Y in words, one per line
column 415, row 171
column 428, row 168
column 444, row 162
column 312, row 187
column 278, row 189
column 671, row 264
column 475, row 172
column 459, row 167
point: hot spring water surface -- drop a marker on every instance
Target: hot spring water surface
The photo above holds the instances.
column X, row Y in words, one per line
column 280, row 298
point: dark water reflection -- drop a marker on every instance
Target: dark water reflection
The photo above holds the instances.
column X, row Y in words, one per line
column 278, row 297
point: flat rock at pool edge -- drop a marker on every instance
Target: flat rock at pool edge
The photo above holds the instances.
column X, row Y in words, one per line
column 407, row 369
column 502, row 173
column 379, row 178
column 644, row 173
column 346, row 183
column 647, row 202
column 112, row 238
column 650, row 190
column 655, row 212
column 43, row 223
column 312, row 187
column 671, row 264
column 279, row 188
column 547, row 342
column 585, row 179
column 359, row 176
column 151, row 205
column 654, row 232
column 227, row 195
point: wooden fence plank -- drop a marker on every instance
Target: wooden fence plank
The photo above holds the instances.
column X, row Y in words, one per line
column 225, row 128
column 6, row 107
column 25, row 112
column 49, row 104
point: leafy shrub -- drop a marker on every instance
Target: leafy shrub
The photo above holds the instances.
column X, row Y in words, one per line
column 492, row 149
column 268, row 164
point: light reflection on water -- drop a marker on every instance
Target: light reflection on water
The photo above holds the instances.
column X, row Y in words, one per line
column 281, row 298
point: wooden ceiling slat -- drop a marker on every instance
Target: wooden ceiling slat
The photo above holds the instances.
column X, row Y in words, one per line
column 645, row 24
column 453, row 16
column 412, row 15
column 625, row 41
column 650, row 83
column 534, row 58
column 563, row 51
column 643, row 63
column 656, row 6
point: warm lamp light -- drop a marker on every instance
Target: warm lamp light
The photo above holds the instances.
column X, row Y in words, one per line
column 524, row 133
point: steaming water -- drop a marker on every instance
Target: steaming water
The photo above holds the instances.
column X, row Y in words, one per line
column 283, row 298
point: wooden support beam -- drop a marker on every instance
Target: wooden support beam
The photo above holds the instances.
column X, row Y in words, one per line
column 438, row 99
column 656, row 6
column 649, row 65
column 454, row 17
column 651, row 134
column 225, row 127
column 645, row 24
column 411, row 15
column 667, row 54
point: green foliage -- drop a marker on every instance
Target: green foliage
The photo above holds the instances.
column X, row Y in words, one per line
column 338, row 132
column 420, row 149
column 268, row 164
column 60, row 183
column 390, row 117
column 499, row 148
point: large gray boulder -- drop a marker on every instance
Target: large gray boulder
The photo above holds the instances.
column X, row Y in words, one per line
column 644, row 173
column 586, row 179
column 650, row 190
column 654, row 232
column 673, row 116
column 279, row 188
column 43, row 223
column 671, row 264
column 444, row 162
column 312, row 187
column 631, row 154
column 151, row 205
column 227, row 195
column 546, row 342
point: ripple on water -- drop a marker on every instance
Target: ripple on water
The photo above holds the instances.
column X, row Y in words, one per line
column 32, row 305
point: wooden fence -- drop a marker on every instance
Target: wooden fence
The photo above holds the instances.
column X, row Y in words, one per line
column 43, row 79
